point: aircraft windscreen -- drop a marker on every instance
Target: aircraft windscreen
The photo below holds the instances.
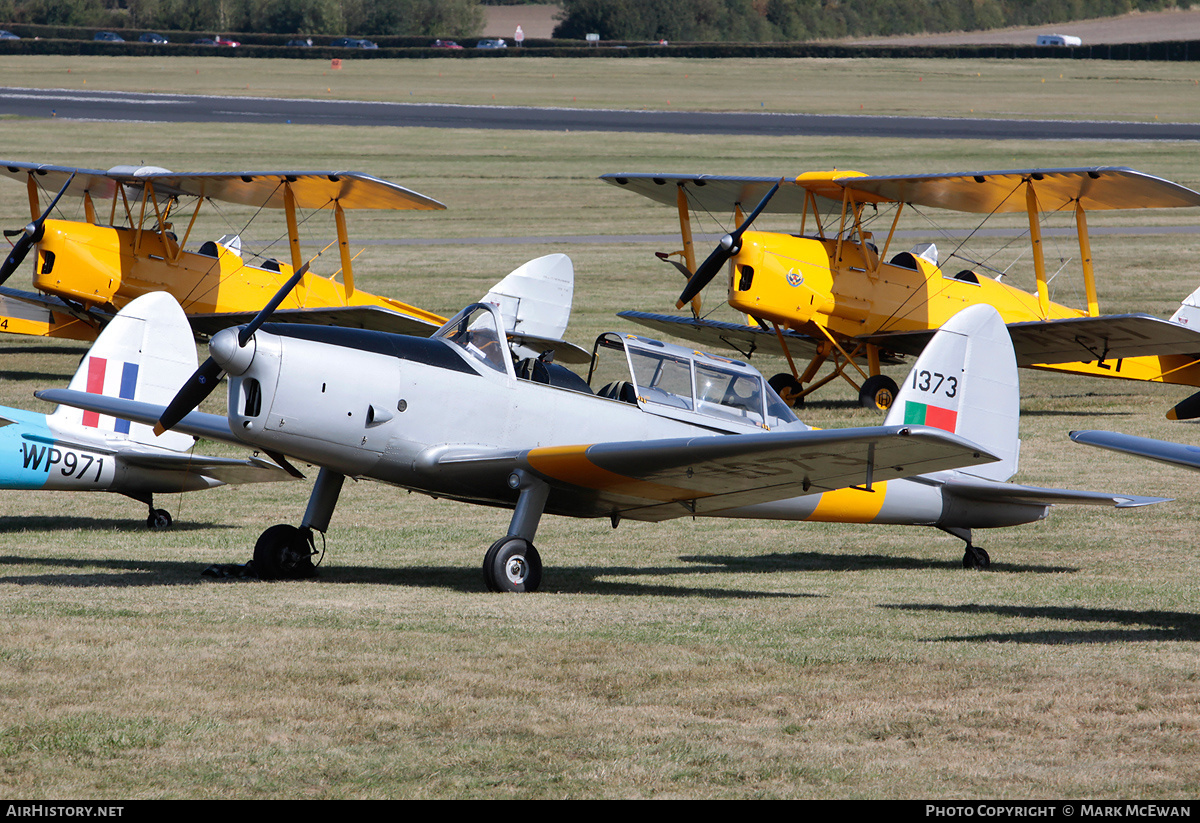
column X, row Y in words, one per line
column 662, row 379
column 729, row 393
column 474, row 331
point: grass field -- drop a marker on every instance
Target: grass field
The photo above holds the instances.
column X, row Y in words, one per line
column 677, row 660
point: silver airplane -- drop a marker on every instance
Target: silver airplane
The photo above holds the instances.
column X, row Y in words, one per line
column 656, row 431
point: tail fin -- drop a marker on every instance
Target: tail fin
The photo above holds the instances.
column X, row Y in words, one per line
column 145, row 353
column 535, row 299
column 966, row 382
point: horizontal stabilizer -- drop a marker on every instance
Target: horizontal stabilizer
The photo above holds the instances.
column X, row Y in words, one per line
column 196, row 424
column 1176, row 454
column 987, row 491
column 229, row 470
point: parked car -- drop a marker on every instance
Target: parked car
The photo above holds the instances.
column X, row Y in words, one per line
column 8, row 35
column 109, row 37
column 300, row 41
column 151, row 37
column 221, row 41
column 445, row 44
column 491, row 44
column 353, row 43
column 204, row 41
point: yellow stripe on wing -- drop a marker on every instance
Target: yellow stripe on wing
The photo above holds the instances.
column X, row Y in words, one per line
column 570, row 464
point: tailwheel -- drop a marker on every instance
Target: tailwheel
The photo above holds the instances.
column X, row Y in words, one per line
column 158, row 520
column 976, row 558
column 512, row 564
column 788, row 388
column 284, row 552
column 878, row 392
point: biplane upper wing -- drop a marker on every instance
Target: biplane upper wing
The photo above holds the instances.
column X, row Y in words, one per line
column 719, row 194
column 1075, row 339
column 262, row 189
column 746, row 340
column 987, row 192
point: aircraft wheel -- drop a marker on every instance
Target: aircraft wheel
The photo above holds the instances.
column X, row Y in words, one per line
column 878, row 392
column 976, row 558
column 284, row 552
column 512, row 564
column 788, row 388
column 159, row 520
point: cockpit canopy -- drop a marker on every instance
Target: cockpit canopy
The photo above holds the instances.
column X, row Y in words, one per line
column 661, row 378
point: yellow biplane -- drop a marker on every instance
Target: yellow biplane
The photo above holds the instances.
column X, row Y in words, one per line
column 134, row 239
column 832, row 294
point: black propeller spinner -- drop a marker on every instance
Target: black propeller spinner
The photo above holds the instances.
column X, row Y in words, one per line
column 202, row 382
column 728, row 246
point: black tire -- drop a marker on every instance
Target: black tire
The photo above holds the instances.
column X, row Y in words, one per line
column 512, row 564
column 284, row 552
column 159, row 520
column 878, row 392
column 788, row 388
column 976, row 558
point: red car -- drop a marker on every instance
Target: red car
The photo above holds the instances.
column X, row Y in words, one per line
column 445, row 44
column 221, row 41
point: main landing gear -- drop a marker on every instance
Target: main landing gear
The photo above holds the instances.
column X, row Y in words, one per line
column 285, row 552
column 512, row 564
column 973, row 557
column 878, row 392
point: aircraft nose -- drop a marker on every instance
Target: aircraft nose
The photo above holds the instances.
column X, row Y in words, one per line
column 225, row 351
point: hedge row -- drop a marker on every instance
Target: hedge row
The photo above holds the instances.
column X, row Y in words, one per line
column 60, row 40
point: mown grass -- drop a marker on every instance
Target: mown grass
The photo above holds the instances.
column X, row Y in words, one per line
column 683, row 659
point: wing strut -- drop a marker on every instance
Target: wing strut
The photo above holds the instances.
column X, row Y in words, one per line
column 1039, row 260
column 1085, row 257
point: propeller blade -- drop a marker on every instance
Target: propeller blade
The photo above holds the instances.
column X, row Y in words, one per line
column 30, row 235
column 194, row 392
column 202, row 382
column 1187, row 409
column 730, row 245
column 250, row 328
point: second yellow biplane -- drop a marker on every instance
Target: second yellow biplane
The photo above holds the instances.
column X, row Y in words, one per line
column 134, row 238
column 831, row 294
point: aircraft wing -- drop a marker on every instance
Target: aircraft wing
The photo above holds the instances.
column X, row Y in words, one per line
column 719, row 194
column 1075, row 339
column 1177, row 454
column 228, row 470
column 987, row 192
column 983, row 192
column 746, row 340
column 991, row 491
column 263, row 189
column 375, row 318
column 679, row 477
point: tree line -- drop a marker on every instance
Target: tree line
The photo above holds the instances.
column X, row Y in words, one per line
column 434, row 18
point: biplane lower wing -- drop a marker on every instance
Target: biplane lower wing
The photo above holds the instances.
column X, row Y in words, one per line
column 746, row 340
column 41, row 315
column 1076, row 339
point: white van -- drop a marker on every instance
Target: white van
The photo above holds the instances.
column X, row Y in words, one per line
column 1058, row 40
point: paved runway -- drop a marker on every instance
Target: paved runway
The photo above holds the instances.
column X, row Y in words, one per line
column 182, row 108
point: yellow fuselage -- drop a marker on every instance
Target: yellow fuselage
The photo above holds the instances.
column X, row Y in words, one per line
column 109, row 267
column 801, row 284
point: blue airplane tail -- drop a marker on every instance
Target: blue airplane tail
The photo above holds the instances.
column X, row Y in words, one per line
column 145, row 353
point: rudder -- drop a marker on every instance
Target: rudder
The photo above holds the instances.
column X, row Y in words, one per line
column 966, row 382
